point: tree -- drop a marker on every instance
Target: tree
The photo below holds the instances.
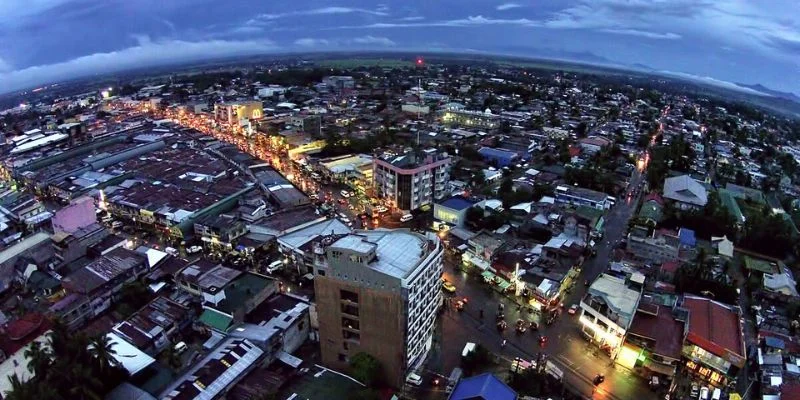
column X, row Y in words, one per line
column 102, row 350
column 582, row 129
column 39, row 358
column 366, row 369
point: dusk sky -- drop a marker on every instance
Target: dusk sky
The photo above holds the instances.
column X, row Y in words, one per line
column 749, row 41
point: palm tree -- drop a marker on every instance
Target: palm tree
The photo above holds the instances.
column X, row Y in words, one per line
column 39, row 359
column 19, row 390
column 102, row 349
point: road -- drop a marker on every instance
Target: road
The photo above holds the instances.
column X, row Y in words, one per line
column 579, row 360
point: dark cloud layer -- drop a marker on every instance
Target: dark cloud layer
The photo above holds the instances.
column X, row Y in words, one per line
column 727, row 40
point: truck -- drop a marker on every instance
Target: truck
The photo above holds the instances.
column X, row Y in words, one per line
column 452, row 381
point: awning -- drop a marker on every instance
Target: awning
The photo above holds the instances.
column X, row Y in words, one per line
column 289, row 359
column 477, row 261
column 503, row 284
column 660, row 368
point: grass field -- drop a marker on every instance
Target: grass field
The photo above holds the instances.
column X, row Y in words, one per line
column 365, row 62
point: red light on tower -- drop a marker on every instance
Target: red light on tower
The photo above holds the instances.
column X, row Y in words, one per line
column 420, row 61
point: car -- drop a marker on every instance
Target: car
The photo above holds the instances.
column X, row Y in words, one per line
column 704, row 392
column 381, row 209
column 572, row 309
column 116, row 224
column 694, row 392
column 313, row 196
column 414, row 379
column 406, row 218
column 194, row 249
column 448, row 287
column 345, row 193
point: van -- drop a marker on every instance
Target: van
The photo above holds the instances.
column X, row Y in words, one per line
column 172, row 251
column 406, row 218
column 717, row 394
column 274, row 266
column 414, row 379
column 180, row 347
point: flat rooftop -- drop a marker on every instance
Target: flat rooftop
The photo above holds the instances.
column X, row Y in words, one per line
column 398, row 252
column 617, row 295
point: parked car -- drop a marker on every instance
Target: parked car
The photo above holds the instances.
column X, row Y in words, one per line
column 345, row 193
column 704, row 392
column 406, row 218
column 448, row 287
column 274, row 266
column 194, row 250
column 414, row 379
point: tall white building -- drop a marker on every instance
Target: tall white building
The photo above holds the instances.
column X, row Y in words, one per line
column 410, row 181
column 378, row 292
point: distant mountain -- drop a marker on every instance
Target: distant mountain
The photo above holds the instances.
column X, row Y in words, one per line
column 775, row 93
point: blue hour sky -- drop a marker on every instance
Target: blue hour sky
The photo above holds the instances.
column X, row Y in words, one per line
column 749, row 41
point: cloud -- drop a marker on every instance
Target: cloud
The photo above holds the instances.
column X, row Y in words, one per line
column 311, row 42
column 507, row 6
column 372, row 40
column 146, row 52
column 644, row 34
column 478, row 20
column 317, row 11
column 361, row 41
column 5, row 66
column 415, row 18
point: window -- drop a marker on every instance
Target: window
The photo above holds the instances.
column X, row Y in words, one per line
column 343, row 357
column 346, row 346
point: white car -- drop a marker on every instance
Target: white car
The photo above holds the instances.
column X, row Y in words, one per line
column 414, row 379
column 344, row 194
column 704, row 393
column 381, row 209
column 194, row 249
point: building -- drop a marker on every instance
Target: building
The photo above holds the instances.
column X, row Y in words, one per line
column 155, row 326
column 472, row 119
column 607, row 309
column 498, row 157
column 412, row 180
column 661, row 247
column 217, row 372
column 219, row 232
column 714, row 350
column 92, row 289
column 310, row 124
column 593, row 144
column 452, row 211
column 686, row 192
column 233, row 112
column 655, row 339
column 482, row 387
column 339, row 83
column 289, row 315
column 378, row 292
column 348, row 168
column 582, row 197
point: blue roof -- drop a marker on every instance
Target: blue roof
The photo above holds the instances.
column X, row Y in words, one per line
column 485, row 386
column 774, row 342
column 497, row 153
column 687, row 237
column 458, row 203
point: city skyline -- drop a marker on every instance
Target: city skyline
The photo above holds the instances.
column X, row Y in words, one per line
column 724, row 41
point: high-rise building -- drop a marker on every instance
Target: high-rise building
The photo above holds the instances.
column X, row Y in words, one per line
column 412, row 180
column 378, row 292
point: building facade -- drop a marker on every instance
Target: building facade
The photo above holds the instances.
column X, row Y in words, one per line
column 608, row 308
column 411, row 181
column 378, row 292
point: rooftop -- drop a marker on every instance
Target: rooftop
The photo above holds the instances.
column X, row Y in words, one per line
column 659, row 325
column 398, row 252
column 298, row 238
column 617, row 295
column 714, row 326
column 458, row 203
column 212, row 375
column 482, row 387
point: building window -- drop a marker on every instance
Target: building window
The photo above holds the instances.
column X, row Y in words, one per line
column 342, row 357
column 345, row 346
